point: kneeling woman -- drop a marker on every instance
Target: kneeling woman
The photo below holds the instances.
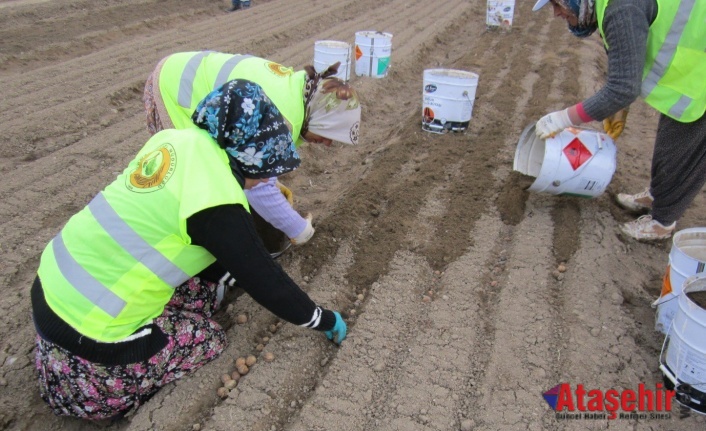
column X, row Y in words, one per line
column 122, row 301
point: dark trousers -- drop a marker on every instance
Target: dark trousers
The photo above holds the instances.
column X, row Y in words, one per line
column 678, row 167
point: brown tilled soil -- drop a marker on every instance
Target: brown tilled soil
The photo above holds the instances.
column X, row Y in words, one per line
column 446, row 267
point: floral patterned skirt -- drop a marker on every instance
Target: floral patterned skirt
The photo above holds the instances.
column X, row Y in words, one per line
column 73, row 386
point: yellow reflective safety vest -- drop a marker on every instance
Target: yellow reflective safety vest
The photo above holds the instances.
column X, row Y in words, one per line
column 674, row 77
column 115, row 264
column 186, row 78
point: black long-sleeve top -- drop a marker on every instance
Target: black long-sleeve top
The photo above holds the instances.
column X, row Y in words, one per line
column 228, row 232
column 247, row 260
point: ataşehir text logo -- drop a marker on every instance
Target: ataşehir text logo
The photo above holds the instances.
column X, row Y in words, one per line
column 582, row 403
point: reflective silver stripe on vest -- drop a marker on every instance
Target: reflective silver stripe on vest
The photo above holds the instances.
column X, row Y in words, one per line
column 677, row 110
column 186, row 83
column 665, row 55
column 84, row 282
column 134, row 244
column 227, row 69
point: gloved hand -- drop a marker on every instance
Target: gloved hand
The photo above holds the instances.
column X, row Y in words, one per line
column 615, row 124
column 551, row 124
column 306, row 234
column 286, row 192
column 339, row 329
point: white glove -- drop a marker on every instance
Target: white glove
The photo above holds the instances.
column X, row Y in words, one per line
column 306, row 234
column 551, row 124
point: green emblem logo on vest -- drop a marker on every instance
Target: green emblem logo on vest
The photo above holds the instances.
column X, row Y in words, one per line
column 278, row 69
column 153, row 170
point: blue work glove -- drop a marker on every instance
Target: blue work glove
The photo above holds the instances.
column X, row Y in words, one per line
column 339, row 329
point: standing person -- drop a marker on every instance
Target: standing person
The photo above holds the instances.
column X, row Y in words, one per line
column 123, row 299
column 317, row 107
column 238, row 4
column 656, row 49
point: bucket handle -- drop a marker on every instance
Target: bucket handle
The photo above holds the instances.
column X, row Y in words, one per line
column 660, row 301
column 671, row 375
column 662, row 359
column 277, row 254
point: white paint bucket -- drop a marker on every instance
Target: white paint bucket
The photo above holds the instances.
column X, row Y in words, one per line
column 686, row 258
column 372, row 53
column 683, row 357
column 499, row 13
column 576, row 162
column 328, row 52
column 447, row 99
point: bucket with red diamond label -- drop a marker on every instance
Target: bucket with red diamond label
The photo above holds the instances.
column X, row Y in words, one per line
column 576, row 162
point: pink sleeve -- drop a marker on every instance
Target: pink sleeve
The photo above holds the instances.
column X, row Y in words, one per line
column 582, row 113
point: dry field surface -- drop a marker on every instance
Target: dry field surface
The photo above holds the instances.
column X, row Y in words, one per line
column 403, row 216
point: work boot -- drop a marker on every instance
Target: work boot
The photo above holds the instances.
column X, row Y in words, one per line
column 646, row 228
column 639, row 203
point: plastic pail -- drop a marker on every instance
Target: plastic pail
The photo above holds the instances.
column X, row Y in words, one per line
column 683, row 357
column 328, row 52
column 372, row 53
column 499, row 13
column 686, row 258
column 447, row 99
column 576, row 162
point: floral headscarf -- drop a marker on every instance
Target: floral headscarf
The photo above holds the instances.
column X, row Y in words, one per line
column 332, row 106
column 583, row 10
column 245, row 123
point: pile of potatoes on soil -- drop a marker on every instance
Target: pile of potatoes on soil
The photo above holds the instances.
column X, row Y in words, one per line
column 243, row 364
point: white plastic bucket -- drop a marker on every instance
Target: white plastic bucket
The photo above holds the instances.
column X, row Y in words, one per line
column 686, row 258
column 499, row 13
column 372, row 53
column 683, row 357
column 328, row 52
column 576, row 162
column 447, row 99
